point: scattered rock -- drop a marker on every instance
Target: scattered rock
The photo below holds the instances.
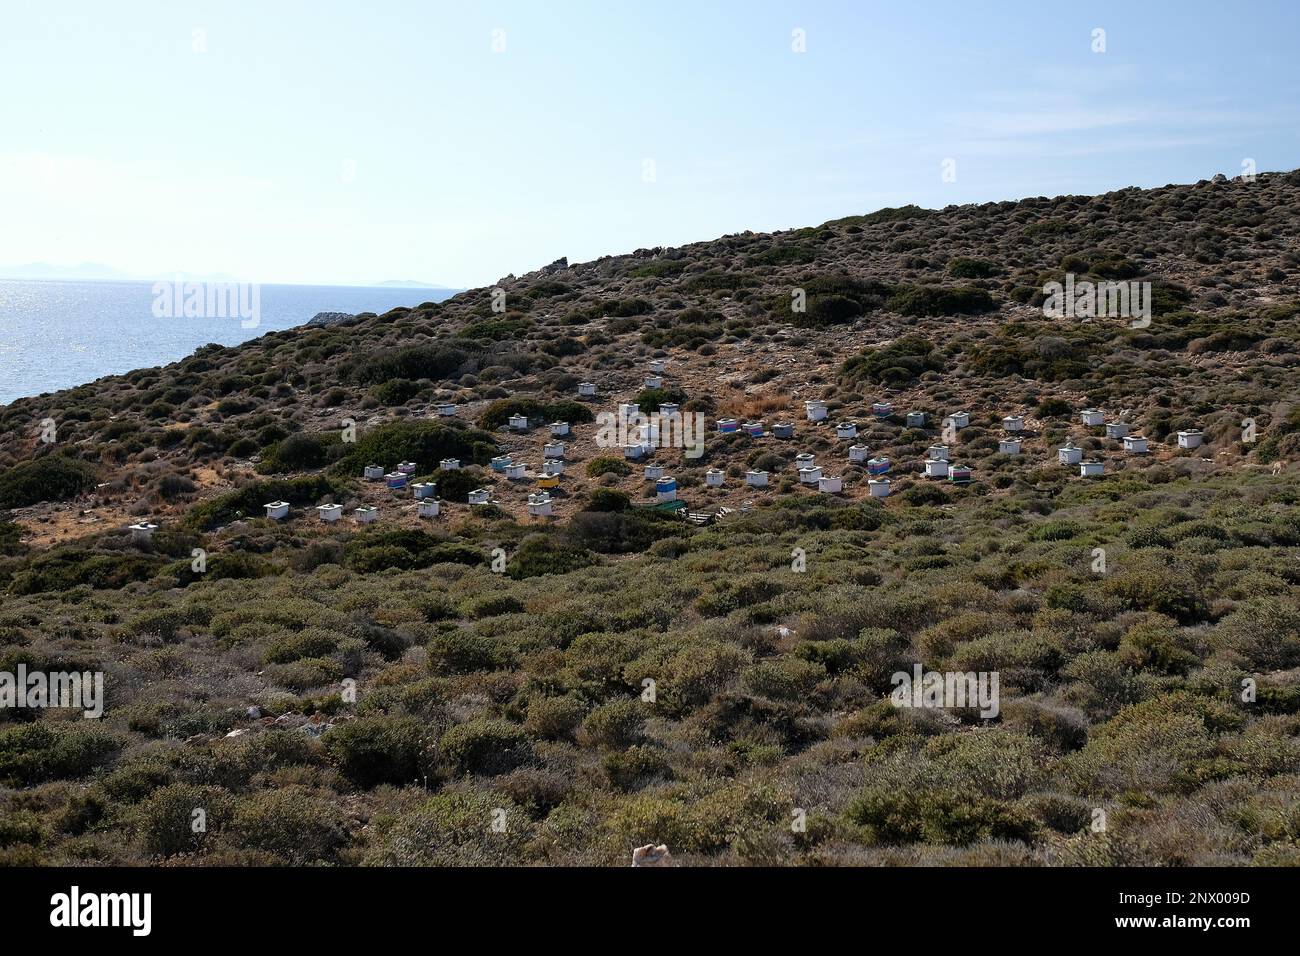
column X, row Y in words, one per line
column 329, row 318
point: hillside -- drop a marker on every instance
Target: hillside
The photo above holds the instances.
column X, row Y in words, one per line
column 768, row 633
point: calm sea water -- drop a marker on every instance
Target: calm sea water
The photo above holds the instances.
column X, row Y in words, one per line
column 57, row 334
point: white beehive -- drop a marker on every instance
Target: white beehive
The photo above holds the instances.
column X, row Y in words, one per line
column 366, row 514
column 329, row 513
column 815, row 410
column 480, row 496
column 830, row 484
column 936, row 468
column 879, row 487
column 937, row 452
column 1091, row 469
column 714, row 478
column 277, row 509
column 1009, row 446
column 756, row 479
column 373, row 472
column 1136, row 444
column 1117, row 430
column 1013, row 423
column 1189, row 439
column 846, row 430
column 810, row 475
column 1069, row 455
column 1092, row 416
column 859, row 453
column 428, row 508
column 559, row 429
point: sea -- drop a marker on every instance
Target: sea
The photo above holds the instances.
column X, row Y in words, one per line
column 55, row 334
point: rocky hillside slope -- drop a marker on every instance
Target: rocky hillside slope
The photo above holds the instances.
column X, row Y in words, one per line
column 609, row 674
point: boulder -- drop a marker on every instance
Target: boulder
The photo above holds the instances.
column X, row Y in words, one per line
column 329, row 318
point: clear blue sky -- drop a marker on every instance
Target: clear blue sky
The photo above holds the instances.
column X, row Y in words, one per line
column 342, row 142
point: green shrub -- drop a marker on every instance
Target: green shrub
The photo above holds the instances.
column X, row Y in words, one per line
column 36, row 752
column 785, row 679
column 462, row 652
column 1165, row 588
column 900, row 362
column 618, row 724
column 540, row 554
column 292, row 824
column 554, row 718
column 409, row 362
column 49, row 478
column 424, row 442
column 454, row 829
column 935, row 301
column 891, row 816
column 485, row 747
column 963, row 268
column 374, row 750
column 301, row 451
column 490, row 605
column 500, row 412
column 396, row 391
column 248, row 500
column 167, row 820
column 607, row 464
column 1265, row 632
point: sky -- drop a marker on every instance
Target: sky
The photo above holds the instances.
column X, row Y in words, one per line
column 457, row 142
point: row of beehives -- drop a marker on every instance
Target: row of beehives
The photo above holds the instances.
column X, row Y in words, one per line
column 539, row 505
